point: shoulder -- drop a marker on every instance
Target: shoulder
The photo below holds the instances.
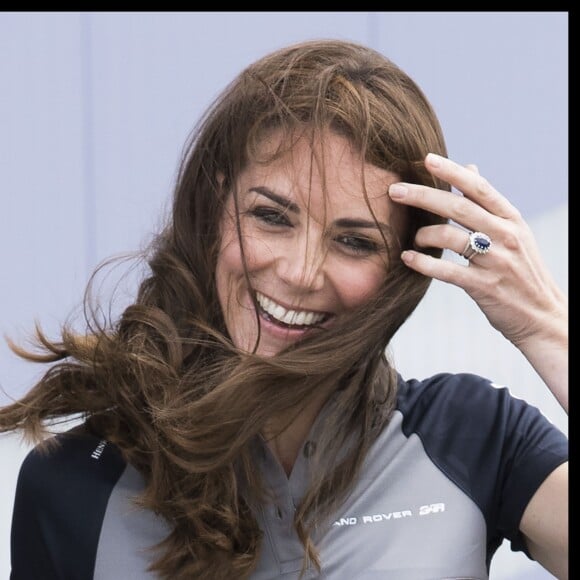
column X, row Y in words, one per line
column 67, row 475
column 456, row 397
column 456, row 403
column 446, row 388
column 68, row 462
column 460, row 397
column 62, row 492
column 466, row 419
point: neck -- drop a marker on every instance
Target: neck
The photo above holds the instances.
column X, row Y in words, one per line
column 285, row 435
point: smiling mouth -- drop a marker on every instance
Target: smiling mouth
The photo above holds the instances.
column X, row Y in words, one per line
column 288, row 318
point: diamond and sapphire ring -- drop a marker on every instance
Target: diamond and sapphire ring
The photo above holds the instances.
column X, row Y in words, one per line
column 478, row 243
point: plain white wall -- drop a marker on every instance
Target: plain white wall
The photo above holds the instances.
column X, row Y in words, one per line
column 95, row 108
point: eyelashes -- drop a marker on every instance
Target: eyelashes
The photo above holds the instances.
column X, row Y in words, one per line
column 271, row 216
column 358, row 244
column 350, row 242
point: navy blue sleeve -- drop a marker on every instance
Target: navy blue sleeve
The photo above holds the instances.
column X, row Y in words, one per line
column 497, row 448
column 61, row 498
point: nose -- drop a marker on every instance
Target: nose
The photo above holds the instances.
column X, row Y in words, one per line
column 302, row 265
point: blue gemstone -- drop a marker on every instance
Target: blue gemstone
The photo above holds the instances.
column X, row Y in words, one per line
column 482, row 243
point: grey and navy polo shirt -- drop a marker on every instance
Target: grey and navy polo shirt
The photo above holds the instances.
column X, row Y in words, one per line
column 446, row 481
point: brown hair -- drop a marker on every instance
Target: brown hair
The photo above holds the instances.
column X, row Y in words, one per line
column 165, row 384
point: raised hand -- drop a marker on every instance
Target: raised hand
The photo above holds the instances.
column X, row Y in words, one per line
column 504, row 272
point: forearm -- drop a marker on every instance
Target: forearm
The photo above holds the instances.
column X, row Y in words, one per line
column 547, row 352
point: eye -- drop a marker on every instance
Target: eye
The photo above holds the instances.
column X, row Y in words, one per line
column 357, row 244
column 270, row 216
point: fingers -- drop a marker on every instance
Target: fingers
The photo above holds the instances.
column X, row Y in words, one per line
column 444, row 203
column 450, row 237
column 471, row 184
column 481, row 207
column 510, row 282
column 445, row 237
column 444, row 270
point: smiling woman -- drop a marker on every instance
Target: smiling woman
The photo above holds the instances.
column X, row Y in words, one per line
column 241, row 419
column 308, row 256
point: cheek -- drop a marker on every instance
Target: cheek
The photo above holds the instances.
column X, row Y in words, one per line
column 230, row 260
column 357, row 284
column 230, row 271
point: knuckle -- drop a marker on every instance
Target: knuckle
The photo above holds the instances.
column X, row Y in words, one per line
column 483, row 187
column 459, row 208
column 511, row 241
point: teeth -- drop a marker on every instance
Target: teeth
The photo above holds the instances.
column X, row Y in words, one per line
column 290, row 317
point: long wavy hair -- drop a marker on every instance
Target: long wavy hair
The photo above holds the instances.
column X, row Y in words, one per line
column 165, row 383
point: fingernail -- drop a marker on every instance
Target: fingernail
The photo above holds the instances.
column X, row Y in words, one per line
column 397, row 190
column 433, row 159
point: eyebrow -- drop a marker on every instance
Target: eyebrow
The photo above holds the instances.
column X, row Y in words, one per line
column 341, row 223
column 286, row 203
column 358, row 223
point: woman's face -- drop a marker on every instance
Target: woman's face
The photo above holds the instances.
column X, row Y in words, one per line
column 313, row 250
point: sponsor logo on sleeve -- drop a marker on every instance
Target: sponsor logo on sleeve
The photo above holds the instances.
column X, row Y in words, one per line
column 96, row 454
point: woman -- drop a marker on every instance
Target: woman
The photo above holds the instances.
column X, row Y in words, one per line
column 241, row 418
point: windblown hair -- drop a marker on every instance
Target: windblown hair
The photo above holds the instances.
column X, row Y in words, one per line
column 165, row 383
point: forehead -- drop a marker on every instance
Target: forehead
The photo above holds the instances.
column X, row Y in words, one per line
column 325, row 170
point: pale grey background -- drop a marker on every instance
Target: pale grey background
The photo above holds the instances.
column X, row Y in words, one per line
column 95, row 108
